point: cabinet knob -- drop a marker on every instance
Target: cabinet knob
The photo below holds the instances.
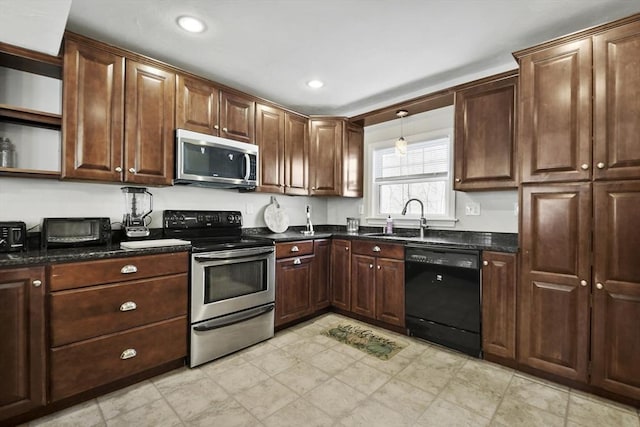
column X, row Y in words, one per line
column 128, row 269
column 128, row 354
column 297, row 261
column 600, row 165
column 346, row 248
column 458, row 180
column 216, row 127
column 295, row 249
column 225, row 130
column 583, row 283
column 485, row 262
column 128, row 306
column 118, row 168
column 132, row 170
column 376, row 249
column 313, row 188
column 599, row 285
column 370, row 265
column 584, row 166
column 379, row 268
column 37, row 283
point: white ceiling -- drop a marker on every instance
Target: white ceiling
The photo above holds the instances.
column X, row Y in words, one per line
column 369, row 53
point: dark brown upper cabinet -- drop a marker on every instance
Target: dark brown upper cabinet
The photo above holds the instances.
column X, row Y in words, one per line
column 296, row 149
column 197, row 105
column 202, row 107
column 325, row 156
column 118, row 116
column 555, row 113
column 352, row 161
column 616, row 150
column 485, row 134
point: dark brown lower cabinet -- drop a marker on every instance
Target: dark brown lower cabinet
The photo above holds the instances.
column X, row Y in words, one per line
column 554, row 292
column 363, row 291
column 615, row 345
column 22, row 341
column 320, row 274
column 499, row 304
column 390, row 291
column 340, row 267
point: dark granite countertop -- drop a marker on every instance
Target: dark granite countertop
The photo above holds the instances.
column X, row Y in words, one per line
column 488, row 241
column 36, row 257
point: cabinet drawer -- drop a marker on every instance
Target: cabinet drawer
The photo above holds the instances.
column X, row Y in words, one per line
column 82, row 366
column 80, row 274
column 98, row 310
column 386, row 250
column 284, row 250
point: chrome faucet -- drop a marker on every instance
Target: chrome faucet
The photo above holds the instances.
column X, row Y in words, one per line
column 423, row 220
column 309, row 227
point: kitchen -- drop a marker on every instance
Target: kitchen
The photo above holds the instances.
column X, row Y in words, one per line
column 24, row 198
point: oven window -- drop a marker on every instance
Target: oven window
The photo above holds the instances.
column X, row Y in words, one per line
column 227, row 281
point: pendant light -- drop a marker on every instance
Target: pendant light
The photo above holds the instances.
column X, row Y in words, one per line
column 401, row 143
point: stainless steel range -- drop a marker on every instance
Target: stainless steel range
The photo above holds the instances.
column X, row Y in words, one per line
column 232, row 282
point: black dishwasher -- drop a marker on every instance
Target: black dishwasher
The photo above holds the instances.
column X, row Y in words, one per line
column 442, row 296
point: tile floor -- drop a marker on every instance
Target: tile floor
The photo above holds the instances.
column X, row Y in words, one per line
column 302, row 378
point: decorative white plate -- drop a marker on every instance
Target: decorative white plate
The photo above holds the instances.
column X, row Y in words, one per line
column 276, row 217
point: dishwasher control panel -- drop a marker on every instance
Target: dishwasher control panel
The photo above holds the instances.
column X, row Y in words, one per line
column 443, row 256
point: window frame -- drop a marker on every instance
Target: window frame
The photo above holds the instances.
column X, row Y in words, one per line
column 371, row 201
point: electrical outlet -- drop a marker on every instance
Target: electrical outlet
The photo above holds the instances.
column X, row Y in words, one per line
column 472, row 209
column 515, row 209
column 361, row 209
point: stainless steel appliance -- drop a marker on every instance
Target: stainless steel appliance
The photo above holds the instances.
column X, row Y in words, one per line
column 442, row 297
column 74, row 232
column 208, row 160
column 232, row 283
column 13, row 236
column 138, row 203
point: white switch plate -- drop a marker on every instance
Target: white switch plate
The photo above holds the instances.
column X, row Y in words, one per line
column 515, row 209
column 361, row 209
column 472, row 209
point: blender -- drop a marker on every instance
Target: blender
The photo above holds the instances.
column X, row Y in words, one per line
column 137, row 206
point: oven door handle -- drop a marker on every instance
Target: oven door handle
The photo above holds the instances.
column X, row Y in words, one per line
column 233, row 319
column 238, row 253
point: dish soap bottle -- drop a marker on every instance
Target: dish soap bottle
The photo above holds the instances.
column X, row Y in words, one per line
column 389, row 228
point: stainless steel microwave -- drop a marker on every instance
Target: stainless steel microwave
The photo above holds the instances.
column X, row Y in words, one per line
column 208, row 160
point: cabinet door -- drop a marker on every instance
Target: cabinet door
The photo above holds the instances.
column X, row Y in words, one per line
column 616, row 107
column 341, row 274
column 296, row 152
column 22, row 340
column 616, row 288
column 320, row 276
column 499, row 304
column 485, row 136
column 389, row 279
column 197, row 105
column 325, row 157
column 293, row 288
column 270, row 131
column 555, row 113
column 553, row 291
column 93, row 113
column 149, row 136
column 363, row 286
column 237, row 115
column 352, row 161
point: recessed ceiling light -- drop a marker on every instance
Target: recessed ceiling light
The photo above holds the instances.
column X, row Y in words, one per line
column 191, row 24
column 315, row 84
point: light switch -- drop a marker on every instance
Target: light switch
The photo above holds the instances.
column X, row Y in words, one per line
column 472, row 208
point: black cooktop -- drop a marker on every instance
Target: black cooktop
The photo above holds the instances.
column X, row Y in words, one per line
column 209, row 230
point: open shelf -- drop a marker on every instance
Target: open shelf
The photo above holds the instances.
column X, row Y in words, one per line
column 29, row 117
column 29, row 172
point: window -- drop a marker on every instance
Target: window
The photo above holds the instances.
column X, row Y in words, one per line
column 423, row 173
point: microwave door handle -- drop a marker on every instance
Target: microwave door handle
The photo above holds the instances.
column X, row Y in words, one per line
column 247, row 167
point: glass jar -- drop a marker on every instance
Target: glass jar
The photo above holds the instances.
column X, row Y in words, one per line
column 7, row 153
column 353, row 224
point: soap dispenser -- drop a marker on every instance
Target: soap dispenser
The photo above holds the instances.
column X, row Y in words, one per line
column 389, row 227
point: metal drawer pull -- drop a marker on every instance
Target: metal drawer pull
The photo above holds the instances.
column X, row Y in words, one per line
column 37, row 283
column 128, row 306
column 297, row 261
column 128, row 269
column 376, row 249
column 128, row 354
column 295, row 249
